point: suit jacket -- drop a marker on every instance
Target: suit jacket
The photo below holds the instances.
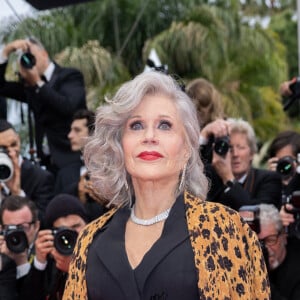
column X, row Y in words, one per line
column 8, row 281
column 43, row 284
column 225, row 252
column 53, row 106
column 261, row 186
column 38, row 185
column 286, row 277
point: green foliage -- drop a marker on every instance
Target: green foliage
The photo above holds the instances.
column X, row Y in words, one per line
column 100, row 69
column 195, row 38
column 243, row 62
column 286, row 27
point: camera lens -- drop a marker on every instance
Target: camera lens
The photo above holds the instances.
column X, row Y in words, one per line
column 65, row 240
column 16, row 240
column 27, row 60
column 6, row 166
column 221, row 145
column 285, row 166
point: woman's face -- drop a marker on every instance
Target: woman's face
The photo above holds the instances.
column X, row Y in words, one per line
column 153, row 141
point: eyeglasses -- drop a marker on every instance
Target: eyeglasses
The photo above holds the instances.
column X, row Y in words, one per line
column 24, row 226
column 271, row 240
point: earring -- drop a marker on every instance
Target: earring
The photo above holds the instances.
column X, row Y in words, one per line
column 126, row 185
column 182, row 180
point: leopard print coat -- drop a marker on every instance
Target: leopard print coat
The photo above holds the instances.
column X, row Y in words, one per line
column 227, row 254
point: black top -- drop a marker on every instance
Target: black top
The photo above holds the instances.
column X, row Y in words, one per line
column 167, row 271
column 285, row 279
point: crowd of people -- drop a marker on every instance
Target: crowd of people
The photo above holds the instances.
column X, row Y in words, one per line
column 144, row 198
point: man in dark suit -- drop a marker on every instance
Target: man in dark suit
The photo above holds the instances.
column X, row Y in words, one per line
column 52, row 93
column 234, row 182
column 27, row 179
column 82, row 127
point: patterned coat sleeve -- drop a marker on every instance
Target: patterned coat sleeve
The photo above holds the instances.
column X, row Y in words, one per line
column 227, row 253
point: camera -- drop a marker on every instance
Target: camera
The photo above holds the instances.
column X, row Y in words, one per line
column 6, row 165
column 294, row 199
column 15, row 238
column 27, row 60
column 285, row 166
column 222, row 145
column 250, row 214
column 64, row 240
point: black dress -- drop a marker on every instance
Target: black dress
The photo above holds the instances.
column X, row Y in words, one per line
column 167, row 271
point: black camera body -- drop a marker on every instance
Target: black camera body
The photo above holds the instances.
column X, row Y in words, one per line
column 294, row 199
column 285, row 167
column 64, row 240
column 250, row 214
column 6, row 165
column 27, row 60
column 15, row 238
column 221, row 145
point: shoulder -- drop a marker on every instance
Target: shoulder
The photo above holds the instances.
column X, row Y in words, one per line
column 195, row 204
column 34, row 169
column 88, row 233
column 66, row 70
column 263, row 173
column 207, row 218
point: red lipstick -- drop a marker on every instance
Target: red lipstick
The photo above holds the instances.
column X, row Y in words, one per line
column 149, row 155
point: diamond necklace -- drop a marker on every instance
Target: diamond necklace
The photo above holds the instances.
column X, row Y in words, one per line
column 147, row 222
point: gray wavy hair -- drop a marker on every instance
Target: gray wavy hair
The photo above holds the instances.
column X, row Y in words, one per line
column 103, row 153
column 269, row 214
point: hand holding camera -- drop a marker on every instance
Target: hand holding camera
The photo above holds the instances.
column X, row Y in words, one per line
column 14, row 243
column 61, row 239
column 290, row 213
column 27, row 60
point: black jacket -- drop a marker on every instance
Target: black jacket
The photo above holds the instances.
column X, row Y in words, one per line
column 53, row 106
column 38, row 185
column 8, row 281
column 261, row 186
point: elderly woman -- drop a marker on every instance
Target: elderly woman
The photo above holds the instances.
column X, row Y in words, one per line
column 160, row 239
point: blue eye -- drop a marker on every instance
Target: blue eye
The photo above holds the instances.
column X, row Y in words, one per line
column 137, row 125
column 165, row 125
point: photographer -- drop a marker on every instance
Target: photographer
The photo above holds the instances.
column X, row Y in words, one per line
column 19, row 225
column 82, row 127
column 53, row 94
column 210, row 113
column 283, row 152
column 26, row 179
column 234, row 182
column 53, row 248
column 284, row 259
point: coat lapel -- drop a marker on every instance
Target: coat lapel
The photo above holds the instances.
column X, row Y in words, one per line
column 174, row 233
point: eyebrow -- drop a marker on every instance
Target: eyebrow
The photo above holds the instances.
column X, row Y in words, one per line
column 160, row 116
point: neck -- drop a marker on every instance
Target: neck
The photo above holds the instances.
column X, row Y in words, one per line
column 151, row 199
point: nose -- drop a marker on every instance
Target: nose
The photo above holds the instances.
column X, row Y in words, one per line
column 150, row 136
column 70, row 134
column 234, row 151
